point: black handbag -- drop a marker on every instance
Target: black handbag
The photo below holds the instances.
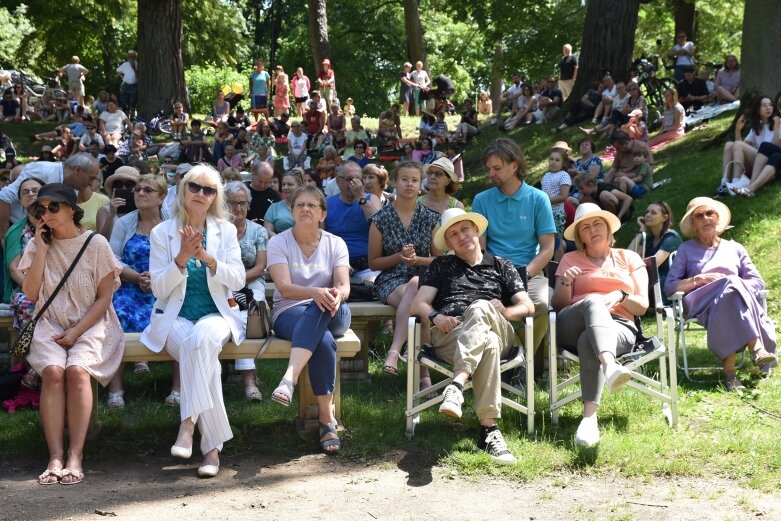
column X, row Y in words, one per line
column 21, row 347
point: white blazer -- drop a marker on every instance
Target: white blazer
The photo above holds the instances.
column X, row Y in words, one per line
column 169, row 283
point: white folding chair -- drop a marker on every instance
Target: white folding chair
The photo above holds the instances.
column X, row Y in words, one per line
column 665, row 389
column 684, row 324
column 520, row 399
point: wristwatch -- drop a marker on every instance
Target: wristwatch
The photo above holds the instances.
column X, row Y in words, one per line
column 624, row 294
column 362, row 201
column 432, row 315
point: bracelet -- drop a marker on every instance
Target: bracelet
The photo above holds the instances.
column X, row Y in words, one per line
column 565, row 284
column 181, row 268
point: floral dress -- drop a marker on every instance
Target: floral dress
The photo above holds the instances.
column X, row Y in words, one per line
column 133, row 306
column 20, row 304
column 395, row 237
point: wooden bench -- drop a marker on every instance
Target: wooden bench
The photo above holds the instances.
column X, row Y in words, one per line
column 347, row 346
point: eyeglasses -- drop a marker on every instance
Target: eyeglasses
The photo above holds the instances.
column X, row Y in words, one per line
column 706, row 213
column 369, row 177
column 238, row 204
column 436, row 173
column 145, row 189
column 308, row 206
column 194, row 188
column 124, row 185
column 39, row 210
column 30, row 191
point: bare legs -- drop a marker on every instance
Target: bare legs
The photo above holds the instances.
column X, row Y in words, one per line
column 65, row 390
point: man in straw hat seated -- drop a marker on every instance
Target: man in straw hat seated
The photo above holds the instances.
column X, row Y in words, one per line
column 470, row 299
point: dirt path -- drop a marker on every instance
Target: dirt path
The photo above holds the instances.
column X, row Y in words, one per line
column 323, row 488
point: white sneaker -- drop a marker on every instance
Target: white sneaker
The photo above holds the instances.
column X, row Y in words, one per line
column 616, row 375
column 451, row 405
column 588, row 433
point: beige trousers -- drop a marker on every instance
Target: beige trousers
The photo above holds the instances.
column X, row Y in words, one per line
column 476, row 346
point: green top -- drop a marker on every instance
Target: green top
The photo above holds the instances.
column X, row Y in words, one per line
column 648, row 177
column 198, row 301
column 13, row 245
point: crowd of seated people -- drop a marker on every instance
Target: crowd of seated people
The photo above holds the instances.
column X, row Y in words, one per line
column 188, row 250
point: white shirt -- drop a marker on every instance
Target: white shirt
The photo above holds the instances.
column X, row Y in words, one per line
column 112, row 122
column 46, row 171
column 129, row 75
column 297, row 143
column 685, row 59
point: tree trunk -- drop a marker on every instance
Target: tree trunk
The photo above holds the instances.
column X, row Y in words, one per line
column 608, row 42
column 160, row 63
column 318, row 32
column 496, row 74
column 686, row 18
column 760, row 62
column 416, row 44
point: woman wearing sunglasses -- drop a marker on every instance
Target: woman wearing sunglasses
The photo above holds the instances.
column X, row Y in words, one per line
column 195, row 265
column 79, row 335
column 134, row 299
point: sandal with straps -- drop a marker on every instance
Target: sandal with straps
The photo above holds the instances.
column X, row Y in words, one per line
column 252, row 393
column 283, row 394
column 745, row 192
column 43, row 479
column 330, row 445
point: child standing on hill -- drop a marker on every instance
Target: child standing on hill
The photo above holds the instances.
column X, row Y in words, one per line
column 556, row 183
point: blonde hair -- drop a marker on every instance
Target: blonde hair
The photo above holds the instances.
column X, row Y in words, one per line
column 218, row 208
column 230, row 174
column 579, row 243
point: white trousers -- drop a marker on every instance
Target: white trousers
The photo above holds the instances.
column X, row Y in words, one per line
column 196, row 346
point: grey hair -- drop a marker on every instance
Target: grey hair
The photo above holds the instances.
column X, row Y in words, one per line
column 344, row 165
column 81, row 161
column 234, row 187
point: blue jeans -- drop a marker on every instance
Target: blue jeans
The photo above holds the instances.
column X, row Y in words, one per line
column 309, row 328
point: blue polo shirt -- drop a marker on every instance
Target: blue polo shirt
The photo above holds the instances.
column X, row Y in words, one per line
column 348, row 222
column 515, row 222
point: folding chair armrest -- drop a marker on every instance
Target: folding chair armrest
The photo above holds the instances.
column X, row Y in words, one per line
column 676, row 297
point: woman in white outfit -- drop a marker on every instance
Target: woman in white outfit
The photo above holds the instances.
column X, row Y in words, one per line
column 195, row 265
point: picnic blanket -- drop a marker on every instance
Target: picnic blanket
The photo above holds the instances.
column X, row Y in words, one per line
column 708, row 112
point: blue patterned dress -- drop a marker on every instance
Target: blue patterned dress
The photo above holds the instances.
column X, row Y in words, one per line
column 395, row 237
column 133, row 306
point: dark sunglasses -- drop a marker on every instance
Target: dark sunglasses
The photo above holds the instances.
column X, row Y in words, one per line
column 145, row 189
column 38, row 210
column 124, row 185
column 194, row 188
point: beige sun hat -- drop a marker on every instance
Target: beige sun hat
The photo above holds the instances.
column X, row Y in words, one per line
column 453, row 216
column 446, row 165
column 587, row 211
column 562, row 145
column 123, row 173
column 724, row 215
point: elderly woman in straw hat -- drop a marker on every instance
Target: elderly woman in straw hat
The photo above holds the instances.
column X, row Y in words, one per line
column 441, row 183
column 599, row 291
column 720, row 286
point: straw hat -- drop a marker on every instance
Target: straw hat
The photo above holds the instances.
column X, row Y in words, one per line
column 123, row 173
column 562, row 145
column 587, row 211
column 453, row 216
column 446, row 165
column 724, row 215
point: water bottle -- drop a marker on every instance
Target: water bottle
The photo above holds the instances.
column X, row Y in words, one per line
column 661, row 183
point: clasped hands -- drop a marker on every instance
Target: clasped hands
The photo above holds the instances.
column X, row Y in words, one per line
column 327, row 299
column 408, row 255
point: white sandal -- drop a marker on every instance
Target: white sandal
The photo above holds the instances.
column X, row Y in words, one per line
column 116, row 400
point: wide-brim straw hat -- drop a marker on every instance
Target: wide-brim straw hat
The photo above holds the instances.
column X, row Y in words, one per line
column 587, row 211
column 123, row 173
column 562, row 145
column 446, row 165
column 724, row 215
column 453, row 216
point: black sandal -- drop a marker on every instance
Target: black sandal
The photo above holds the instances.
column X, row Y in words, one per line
column 331, row 445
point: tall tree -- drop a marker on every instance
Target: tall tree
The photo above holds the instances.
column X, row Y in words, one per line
column 608, row 41
column 761, row 67
column 686, row 18
column 160, row 64
column 416, row 43
column 318, row 32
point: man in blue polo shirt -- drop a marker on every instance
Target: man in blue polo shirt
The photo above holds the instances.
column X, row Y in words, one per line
column 520, row 223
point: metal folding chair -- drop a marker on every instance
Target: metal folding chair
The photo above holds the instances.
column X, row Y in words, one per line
column 665, row 389
column 519, row 398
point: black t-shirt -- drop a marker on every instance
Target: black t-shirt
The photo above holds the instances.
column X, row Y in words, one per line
column 458, row 284
column 261, row 200
column 553, row 94
column 696, row 88
column 567, row 67
column 404, row 87
column 279, row 128
column 10, row 106
column 109, row 167
column 469, row 116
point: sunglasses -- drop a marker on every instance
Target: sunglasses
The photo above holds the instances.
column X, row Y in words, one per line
column 124, row 185
column 39, row 210
column 194, row 188
column 145, row 189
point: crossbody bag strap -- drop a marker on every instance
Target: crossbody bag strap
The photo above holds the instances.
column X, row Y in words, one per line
column 65, row 277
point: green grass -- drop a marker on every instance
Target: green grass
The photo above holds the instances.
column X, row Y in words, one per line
column 719, row 434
